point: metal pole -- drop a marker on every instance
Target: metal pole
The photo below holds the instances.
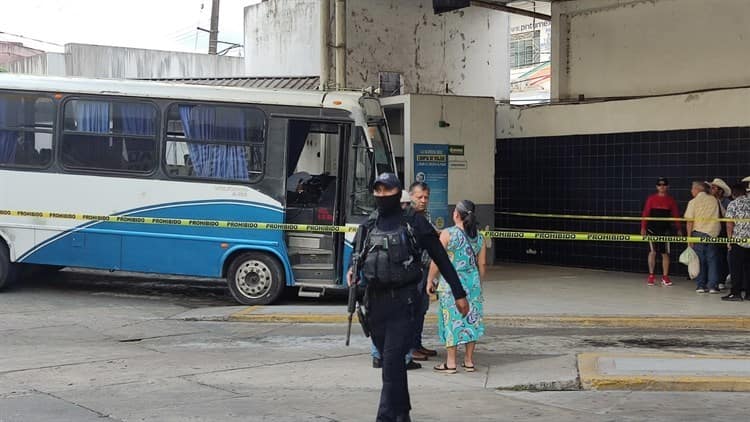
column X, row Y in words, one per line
column 340, row 44
column 213, row 34
column 325, row 28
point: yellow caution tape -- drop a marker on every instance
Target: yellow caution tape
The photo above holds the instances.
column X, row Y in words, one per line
column 607, row 237
column 320, row 228
column 616, row 218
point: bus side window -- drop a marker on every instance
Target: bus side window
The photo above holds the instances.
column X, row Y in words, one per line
column 109, row 135
column 215, row 142
column 26, row 130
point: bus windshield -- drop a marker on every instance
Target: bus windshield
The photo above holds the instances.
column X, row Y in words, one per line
column 368, row 163
column 383, row 162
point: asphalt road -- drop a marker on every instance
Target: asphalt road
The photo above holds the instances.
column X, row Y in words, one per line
column 95, row 346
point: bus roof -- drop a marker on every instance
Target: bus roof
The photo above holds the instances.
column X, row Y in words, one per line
column 174, row 90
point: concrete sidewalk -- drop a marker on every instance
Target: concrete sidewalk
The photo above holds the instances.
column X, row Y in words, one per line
column 534, row 295
column 543, row 296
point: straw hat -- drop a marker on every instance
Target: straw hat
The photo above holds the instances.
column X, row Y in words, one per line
column 723, row 185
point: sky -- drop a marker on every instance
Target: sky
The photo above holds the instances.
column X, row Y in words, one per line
column 153, row 24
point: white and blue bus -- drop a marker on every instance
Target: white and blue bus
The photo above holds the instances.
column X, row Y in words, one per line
column 177, row 151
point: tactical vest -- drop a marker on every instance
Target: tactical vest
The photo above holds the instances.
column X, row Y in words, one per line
column 392, row 258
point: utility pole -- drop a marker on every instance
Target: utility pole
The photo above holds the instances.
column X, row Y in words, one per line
column 213, row 34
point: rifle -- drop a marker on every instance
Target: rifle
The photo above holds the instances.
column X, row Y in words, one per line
column 357, row 261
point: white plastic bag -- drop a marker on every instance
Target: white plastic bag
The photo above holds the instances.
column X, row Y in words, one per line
column 690, row 258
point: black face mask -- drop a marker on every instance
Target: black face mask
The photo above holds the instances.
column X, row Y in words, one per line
column 388, row 204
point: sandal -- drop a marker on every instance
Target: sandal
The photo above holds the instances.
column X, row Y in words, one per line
column 468, row 368
column 443, row 368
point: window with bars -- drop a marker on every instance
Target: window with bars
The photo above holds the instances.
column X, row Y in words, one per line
column 525, row 49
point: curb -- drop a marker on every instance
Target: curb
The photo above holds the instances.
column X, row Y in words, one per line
column 260, row 314
column 592, row 379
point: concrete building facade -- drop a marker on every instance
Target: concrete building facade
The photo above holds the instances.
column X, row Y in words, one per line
column 611, row 48
column 458, row 53
column 641, row 89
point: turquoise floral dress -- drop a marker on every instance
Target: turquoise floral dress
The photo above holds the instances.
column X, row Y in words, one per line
column 453, row 328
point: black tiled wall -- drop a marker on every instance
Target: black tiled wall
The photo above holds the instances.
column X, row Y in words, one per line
column 604, row 174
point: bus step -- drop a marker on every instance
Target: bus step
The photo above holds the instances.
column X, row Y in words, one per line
column 311, row 291
column 311, row 266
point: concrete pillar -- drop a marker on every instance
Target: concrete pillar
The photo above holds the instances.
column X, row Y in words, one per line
column 559, row 53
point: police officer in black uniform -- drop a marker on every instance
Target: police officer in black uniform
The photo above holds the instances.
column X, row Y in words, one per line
column 392, row 269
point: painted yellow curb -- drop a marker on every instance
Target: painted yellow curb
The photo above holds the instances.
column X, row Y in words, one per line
column 591, row 379
column 245, row 311
column 640, row 321
column 256, row 314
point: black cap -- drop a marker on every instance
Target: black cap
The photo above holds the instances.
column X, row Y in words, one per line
column 388, row 180
column 662, row 180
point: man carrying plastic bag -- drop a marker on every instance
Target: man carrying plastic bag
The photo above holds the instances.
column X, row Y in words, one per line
column 690, row 258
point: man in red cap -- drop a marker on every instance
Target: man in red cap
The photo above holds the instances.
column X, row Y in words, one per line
column 660, row 204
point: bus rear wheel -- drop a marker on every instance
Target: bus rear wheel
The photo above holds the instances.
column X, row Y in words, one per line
column 255, row 278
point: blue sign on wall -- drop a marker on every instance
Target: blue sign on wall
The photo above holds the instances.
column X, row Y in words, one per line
column 431, row 167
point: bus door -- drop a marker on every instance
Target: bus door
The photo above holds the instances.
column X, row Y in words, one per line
column 314, row 192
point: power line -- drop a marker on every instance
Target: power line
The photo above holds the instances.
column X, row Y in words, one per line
column 30, row 39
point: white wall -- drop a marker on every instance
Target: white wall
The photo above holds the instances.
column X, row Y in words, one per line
column 51, row 64
column 98, row 61
column 121, row 62
column 723, row 108
column 282, row 38
column 605, row 48
column 467, row 50
column 472, row 124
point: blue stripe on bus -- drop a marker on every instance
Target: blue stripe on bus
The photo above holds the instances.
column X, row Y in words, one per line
column 192, row 251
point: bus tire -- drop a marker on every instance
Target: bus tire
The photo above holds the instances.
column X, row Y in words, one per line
column 255, row 278
column 8, row 270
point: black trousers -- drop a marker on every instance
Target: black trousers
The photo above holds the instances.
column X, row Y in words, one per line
column 392, row 318
column 740, row 266
column 423, row 305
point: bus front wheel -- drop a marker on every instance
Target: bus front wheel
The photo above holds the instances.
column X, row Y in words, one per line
column 255, row 278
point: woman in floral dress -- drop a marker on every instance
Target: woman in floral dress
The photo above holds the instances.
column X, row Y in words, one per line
column 466, row 249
